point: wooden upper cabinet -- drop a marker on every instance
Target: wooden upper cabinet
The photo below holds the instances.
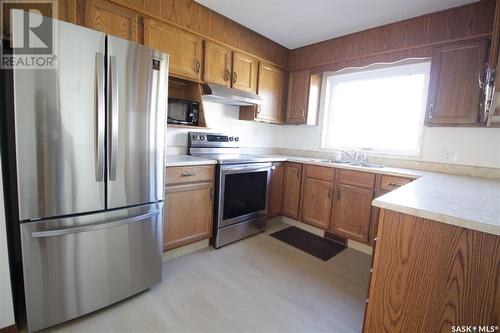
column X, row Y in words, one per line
column 275, row 190
column 271, row 88
column 184, row 48
column 298, row 96
column 351, row 212
column 112, row 19
column 244, row 76
column 291, row 190
column 217, row 64
column 454, row 93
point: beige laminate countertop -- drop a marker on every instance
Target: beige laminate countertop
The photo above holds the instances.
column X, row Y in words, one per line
column 469, row 202
column 186, row 160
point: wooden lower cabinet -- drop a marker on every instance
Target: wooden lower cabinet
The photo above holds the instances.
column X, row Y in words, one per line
column 275, row 190
column 188, row 206
column 429, row 276
column 374, row 218
column 316, row 202
column 351, row 212
column 292, row 176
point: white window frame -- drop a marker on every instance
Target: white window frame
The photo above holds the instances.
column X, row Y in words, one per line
column 373, row 71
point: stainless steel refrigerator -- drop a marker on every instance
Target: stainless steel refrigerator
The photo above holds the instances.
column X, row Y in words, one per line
column 89, row 164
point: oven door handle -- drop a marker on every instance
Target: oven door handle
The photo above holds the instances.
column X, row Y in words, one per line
column 254, row 167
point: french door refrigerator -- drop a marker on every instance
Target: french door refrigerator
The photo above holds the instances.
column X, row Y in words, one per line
column 88, row 168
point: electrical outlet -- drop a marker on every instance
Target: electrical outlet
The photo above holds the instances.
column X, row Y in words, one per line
column 450, row 155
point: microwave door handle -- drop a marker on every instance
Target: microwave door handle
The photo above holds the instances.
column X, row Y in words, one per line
column 99, row 114
column 113, row 116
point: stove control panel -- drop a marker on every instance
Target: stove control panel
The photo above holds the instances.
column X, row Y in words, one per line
column 197, row 139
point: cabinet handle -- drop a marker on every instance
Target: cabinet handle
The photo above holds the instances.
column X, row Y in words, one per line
column 481, row 77
column 273, row 167
column 227, row 75
column 197, row 64
column 338, row 194
column 259, row 109
column 392, row 184
column 235, row 77
column 303, row 113
column 187, row 174
column 431, row 108
column 211, row 194
column 329, row 193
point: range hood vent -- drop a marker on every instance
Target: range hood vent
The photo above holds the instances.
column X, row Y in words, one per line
column 220, row 94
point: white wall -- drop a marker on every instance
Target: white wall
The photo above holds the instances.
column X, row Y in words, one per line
column 475, row 146
column 6, row 307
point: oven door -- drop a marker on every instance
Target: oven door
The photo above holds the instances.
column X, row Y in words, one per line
column 243, row 192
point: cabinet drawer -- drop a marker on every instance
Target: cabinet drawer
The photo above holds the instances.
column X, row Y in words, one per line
column 389, row 183
column 321, row 173
column 356, row 178
column 185, row 174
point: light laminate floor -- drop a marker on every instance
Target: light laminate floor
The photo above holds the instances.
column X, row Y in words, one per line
column 256, row 285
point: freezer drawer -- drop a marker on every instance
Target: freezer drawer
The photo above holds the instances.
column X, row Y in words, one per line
column 76, row 265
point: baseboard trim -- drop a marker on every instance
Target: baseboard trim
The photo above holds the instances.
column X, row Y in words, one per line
column 303, row 226
column 361, row 247
column 184, row 250
column 9, row 329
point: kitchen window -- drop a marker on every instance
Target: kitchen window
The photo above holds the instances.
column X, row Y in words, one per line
column 379, row 110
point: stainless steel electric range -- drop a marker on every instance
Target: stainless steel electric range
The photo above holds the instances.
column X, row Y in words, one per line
column 242, row 185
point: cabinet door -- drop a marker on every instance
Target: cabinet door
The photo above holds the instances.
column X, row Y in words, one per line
column 112, row 19
column 316, row 202
column 217, row 65
column 244, row 75
column 291, row 190
column 351, row 212
column 374, row 218
column 271, row 88
column 188, row 214
column 298, row 97
column 184, row 48
column 275, row 190
column 454, row 93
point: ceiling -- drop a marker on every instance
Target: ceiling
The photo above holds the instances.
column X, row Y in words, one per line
column 295, row 23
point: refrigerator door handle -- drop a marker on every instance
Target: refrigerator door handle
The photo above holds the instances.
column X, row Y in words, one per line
column 92, row 227
column 113, row 116
column 100, row 117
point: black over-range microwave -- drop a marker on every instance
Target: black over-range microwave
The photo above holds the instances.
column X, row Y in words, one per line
column 183, row 112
